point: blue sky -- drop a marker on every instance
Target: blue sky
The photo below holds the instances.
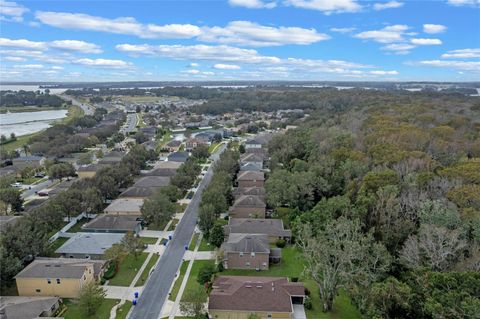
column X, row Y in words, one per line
column 347, row 40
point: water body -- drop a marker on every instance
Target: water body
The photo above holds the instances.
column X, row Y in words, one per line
column 28, row 122
column 29, row 88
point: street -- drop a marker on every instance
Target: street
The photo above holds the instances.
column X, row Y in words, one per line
column 38, row 187
column 87, row 109
column 130, row 124
column 155, row 293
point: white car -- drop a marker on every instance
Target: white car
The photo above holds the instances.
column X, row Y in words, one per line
column 17, row 185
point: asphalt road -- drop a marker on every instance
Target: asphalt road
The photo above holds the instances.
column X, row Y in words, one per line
column 87, row 109
column 155, row 294
column 38, row 187
column 130, row 123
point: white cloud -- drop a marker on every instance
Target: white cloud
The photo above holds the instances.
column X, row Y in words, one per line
column 29, row 66
column 22, row 44
column 75, row 45
column 253, row 4
column 464, row 2
column 126, row 25
column 399, row 48
column 389, row 34
column 327, row 6
column 198, row 52
column 459, row 65
column 194, row 65
column 13, row 10
column 56, row 67
column 198, row 72
column 252, row 34
column 342, row 30
column 426, row 41
column 102, row 63
column 462, row 54
column 434, row 28
column 387, row 5
column 378, row 72
column 14, row 59
column 222, row 66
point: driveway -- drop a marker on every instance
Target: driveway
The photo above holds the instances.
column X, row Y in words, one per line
column 299, row 312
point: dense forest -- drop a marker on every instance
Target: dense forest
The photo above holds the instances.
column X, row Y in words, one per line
column 383, row 192
column 29, row 98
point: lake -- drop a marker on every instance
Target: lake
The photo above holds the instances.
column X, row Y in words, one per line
column 16, row 87
column 28, row 122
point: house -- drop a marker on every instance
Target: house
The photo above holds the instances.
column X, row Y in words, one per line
column 178, row 157
column 273, row 228
column 253, row 143
column 161, row 171
column 106, row 223
column 246, row 251
column 99, row 266
column 125, row 206
column 167, row 164
column 88, row 245
column 146, row 186
column 250, row 179
column 90, row 170
column 53, row 277
column 247, row 206
column 28, row 307
column 173, row 146
column 252, row 158
column 256, row 191
column 267, row 297
column 250, row 167
column 192, row 143
column 113, row 157
column 24, row 161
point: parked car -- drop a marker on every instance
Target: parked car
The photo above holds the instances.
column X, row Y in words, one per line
column 42, row 194
column 40, row 175
column 17, row 185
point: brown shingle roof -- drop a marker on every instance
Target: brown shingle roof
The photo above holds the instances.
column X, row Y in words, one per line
column 242, row 293
column 257, row 191
column 251, row 157
column 250, row 176
column 270, row 227
column 249, row 201
column 247, row 243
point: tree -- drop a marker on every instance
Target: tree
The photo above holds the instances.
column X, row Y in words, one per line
column 205, row 274
column 217, row 235
column 133, row 245
column 140, row 137
column 115, row 252
column 207, row 218
column 90, row 298
column 341, row 256
column 201, row 152
column 60, row 170
column 84, row 159
column 193, row 305
column 11, row 265
column 12, row 198
column 158, row 209
column 389, row 299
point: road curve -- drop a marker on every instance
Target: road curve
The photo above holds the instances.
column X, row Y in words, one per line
column 156, row 291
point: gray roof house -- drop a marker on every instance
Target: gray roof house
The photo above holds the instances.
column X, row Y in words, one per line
column 256, row 191
column 28, row 307
column 88, row 245
column 246, row 251
column 178, row 157
column 273, row 228
column 251, row 166
column 125, row 206
column 107, row 223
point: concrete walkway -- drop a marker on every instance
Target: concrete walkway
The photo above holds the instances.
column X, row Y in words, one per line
column 199, row 255
column 299, row 312
column 176, row 305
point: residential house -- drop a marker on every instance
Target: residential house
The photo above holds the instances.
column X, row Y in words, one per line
column 161, row 171
column 239, row 297
column 251, row 179
column 178, row 157
column 246, row 251
column 192, row 143
column 28, row 307
column 146, row 186
column 24, row 161
column 273, row 228
column 51, row 278
column 90, row 170
column 247, row 206
column 106, row 223
column 252, row 143
column 256, row 191
column 167, row 164
column 88, row 245
column 173, row 146
column 250, row 167
column 125, row 206
column 251, row 158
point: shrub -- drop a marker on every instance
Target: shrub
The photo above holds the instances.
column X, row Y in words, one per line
column 307, row 303
column 110, row 273
column 220, row 267
column 280, row 243
column 205, row 274
column 294, row 279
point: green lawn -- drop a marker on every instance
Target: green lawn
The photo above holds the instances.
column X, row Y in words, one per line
column 192, row 279
column 193, row 242
column 127, row 270
column 173, row 224
column 78, row 226
column 74, row 311
column 31, row 180
column 148, row 240
column 212, row 147
column 57, row 243
column 123, row 310
column 292, row 266
column 204, row 245
column 178, row 281
column 156, row 226
column 143, row 278
column 19, row 142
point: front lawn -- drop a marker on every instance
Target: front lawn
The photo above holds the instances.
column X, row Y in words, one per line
column 192, row 283
column 74, row 311
column 173, row 224
column 145, row 274
column 78, row 226
column 127, row 269
column 123, row 310
column 148, row 240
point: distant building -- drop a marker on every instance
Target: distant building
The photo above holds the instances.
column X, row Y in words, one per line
column 253, row 144
column 173, row 146
column 267, row 297
column 193, row 143
column 88, row 245
column 178, row 157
